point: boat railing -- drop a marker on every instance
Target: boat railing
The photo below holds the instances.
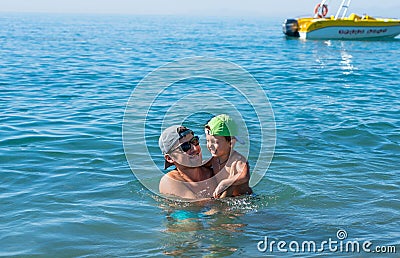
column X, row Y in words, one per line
column 344, row 5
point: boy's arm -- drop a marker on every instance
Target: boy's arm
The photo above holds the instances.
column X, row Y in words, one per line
column 237, row 179
column 244, row 174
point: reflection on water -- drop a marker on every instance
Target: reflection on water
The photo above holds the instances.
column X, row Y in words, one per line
column 209, row 228
column 346, row 62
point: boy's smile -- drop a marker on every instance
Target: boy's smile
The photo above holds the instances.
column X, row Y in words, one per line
column 218, row 145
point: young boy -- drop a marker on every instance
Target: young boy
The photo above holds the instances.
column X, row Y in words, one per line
column 230, row 168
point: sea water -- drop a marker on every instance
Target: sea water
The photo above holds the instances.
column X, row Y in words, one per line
column 68, row 189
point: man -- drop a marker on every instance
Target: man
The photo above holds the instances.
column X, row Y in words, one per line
column 189, row 179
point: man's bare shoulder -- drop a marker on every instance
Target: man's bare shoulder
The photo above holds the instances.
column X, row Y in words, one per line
column 168, row 180
column 174, row 174
column 173, row 184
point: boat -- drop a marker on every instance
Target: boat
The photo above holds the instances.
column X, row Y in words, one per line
column 322, row 26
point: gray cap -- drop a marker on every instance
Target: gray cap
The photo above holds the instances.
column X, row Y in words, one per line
column 167, row 140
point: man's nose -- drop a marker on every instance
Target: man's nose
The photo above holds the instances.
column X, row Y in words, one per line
column 194, row 149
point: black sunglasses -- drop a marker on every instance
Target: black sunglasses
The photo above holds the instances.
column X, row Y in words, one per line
column 186, row 146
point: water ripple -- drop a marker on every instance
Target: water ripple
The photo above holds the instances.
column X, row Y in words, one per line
column 68, row 189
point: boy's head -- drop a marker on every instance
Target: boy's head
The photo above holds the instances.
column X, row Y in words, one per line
column 220, row 134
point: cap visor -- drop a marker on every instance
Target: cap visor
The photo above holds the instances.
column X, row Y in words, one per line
column 239, row 140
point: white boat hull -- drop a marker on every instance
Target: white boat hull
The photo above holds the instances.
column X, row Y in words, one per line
column 357, row 32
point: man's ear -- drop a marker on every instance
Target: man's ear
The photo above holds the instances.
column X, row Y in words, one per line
column 169, row 159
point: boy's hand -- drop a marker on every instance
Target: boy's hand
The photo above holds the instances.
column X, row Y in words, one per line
column 221, row 187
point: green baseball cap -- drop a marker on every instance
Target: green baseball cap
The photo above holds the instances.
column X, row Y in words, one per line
column 222, row 125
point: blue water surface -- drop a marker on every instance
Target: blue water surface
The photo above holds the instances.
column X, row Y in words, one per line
column 67, row 189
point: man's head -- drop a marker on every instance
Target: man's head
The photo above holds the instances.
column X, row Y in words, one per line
column 179, row 145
